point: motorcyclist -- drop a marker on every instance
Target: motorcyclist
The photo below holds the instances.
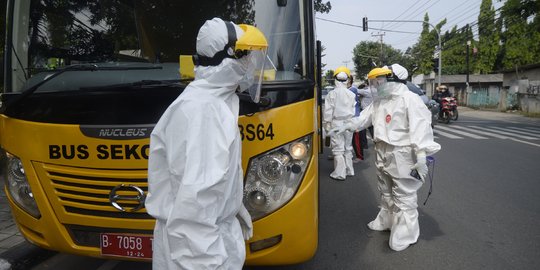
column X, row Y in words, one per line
column 403, row 138
column 442, row 92
column 445, row 92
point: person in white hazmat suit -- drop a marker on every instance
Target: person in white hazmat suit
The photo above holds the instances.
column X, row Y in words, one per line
column 339, row 107
column 403, row 137
column 194, row 169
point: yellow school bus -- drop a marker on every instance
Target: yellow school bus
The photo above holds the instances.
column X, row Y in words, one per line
column 85, row 83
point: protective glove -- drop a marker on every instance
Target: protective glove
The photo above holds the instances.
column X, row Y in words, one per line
column 340, row 129
column 245, row 222
column 421, row 165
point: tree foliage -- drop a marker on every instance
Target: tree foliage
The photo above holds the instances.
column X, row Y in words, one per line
column 424, row 51
column 454, row 52
column 488, row 38
column 519, row 50
column 368, row 54
column 500, row 42
column 322, row 7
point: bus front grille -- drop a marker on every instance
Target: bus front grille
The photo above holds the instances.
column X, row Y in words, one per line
column 91, row 191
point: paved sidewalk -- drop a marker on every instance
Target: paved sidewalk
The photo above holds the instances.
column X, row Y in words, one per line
column 15, row 252
column 510, row 116
column 9, row 233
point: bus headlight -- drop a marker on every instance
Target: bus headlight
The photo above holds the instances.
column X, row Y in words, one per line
column 273, row 177
column 18, row 186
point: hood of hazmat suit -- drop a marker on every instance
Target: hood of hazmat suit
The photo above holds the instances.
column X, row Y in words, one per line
column 195, row 184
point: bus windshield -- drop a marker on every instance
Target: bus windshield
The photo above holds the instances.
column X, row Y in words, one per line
column 142, row 39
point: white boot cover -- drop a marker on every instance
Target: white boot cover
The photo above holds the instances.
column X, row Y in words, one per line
column 383, row 221
column 349, row 164
column 405, row 229
column 339, row 167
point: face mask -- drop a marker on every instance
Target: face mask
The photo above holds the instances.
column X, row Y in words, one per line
column 249, row 70
column 383, row 90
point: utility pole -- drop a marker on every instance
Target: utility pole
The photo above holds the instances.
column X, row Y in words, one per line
column 381, row 41
column 346, row 62
column 467, row 59
column 436, row 31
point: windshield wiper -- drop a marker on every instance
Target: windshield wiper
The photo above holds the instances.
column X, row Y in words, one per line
column 82, row 67
column 137, row 84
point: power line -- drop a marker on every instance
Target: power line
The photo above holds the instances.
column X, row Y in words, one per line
column 359, row 26
column 481, row 18
column 423, row 10
column 470, row 12
column 458, row 6
column 415, row 15
column 510, row 20
column 404, row 12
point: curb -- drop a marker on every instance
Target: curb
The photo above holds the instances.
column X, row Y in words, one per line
column 23, row 256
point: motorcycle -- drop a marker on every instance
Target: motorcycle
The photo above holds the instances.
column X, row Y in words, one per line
column 433, row 107
column 455, row 113
column 448, row 110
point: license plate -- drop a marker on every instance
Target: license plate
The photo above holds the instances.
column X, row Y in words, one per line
column 126, row 245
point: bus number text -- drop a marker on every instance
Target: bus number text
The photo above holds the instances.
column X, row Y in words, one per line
column 259, row 132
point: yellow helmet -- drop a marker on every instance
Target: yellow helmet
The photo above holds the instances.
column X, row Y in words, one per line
column 252, row 39
column 342, row 69
column 377, row 72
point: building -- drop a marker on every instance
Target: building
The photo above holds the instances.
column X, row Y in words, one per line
column 524, row 82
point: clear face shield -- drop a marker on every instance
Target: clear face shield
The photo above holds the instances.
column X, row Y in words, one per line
column 378, row 86
column 252, row 80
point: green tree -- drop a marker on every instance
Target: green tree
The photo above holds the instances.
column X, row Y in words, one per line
column 328, row 78
column 521, row 38
column 366, row 55
column 454, row 51
column 322, row 7
column 424, row 50
column 488, row 38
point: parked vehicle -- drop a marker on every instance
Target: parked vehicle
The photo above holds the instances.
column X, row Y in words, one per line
column 325, row 91
column 432, row 105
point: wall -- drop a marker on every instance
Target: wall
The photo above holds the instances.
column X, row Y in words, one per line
column 525, row 84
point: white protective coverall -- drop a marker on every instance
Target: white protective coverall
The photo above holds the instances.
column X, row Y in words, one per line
column 402, row 127
column 194, row 169
column 339, row 107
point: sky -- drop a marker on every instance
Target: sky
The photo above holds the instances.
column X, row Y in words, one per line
column 340, row 39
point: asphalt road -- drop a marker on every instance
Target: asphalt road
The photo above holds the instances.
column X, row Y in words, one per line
column 484, row 212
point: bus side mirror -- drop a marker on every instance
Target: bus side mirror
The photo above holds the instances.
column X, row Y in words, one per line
column 282, row 3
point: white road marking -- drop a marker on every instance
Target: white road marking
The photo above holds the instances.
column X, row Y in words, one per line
column 466, row 134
